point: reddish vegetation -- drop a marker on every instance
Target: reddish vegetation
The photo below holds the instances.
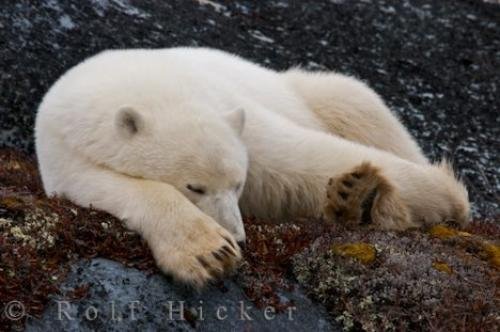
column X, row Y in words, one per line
column 270, row 248
column 29, row 275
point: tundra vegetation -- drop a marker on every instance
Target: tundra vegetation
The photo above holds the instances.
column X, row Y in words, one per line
column 438, row 278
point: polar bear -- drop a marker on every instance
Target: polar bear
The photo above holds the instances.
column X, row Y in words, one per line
column 179, row 143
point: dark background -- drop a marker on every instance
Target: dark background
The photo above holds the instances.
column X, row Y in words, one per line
column 436, row 63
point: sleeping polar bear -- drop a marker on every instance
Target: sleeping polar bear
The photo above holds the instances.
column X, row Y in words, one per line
column 172, row 140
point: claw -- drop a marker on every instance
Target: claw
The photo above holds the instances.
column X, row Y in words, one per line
column 203, row 262
column 217, row 256
column 228, row 250
column 229, row 241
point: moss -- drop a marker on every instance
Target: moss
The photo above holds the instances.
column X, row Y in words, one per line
column 363, row 252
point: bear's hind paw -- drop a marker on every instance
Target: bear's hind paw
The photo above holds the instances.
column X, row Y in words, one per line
column 364, row 196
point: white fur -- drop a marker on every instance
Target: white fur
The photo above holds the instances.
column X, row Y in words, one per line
column 127, row 131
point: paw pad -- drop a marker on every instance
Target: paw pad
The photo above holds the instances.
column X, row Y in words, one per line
column 350, row 196
column 347, row 183
column 343, row 195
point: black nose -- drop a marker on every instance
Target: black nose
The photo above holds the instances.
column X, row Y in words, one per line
column 242, row 244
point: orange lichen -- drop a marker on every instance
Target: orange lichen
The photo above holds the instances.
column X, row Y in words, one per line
column 488, row 250
column 443, row 232
column 11, row 202
column 363, row 252
column 493, row 252
column 442, row 266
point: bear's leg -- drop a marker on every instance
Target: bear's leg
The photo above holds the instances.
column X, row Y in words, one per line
column 352, row 110
column 290, row 167
column 185, row 242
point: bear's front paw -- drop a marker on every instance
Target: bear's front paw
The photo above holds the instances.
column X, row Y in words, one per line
column 197, row 253
column 365, row 196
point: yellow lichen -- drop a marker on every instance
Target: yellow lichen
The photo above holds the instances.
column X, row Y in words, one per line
column 11, row 202
column 442, row 266
column 363, row 252
column 443, row 232
column 493, row 252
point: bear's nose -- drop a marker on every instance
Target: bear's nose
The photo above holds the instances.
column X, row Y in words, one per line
column 242, row 245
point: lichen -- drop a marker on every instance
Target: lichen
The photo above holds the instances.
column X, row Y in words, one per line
column 35, row 228
column 40, row 237
column 417, row 281
column 443, row 232
column 442, row 266
column 399, row 287
column 493, row 252
column 363, row 252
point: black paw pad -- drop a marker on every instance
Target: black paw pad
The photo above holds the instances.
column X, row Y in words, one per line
column 357, row 175
column 347, row 183
column 344, row 195
column 366, row 208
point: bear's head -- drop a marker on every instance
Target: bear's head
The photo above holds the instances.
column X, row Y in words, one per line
column 199, row 153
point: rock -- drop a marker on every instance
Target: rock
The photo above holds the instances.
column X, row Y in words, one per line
column 125, row 299
column 435, row 63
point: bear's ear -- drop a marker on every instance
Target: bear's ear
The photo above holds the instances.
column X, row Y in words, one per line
column 128, row 121
column 236, row 119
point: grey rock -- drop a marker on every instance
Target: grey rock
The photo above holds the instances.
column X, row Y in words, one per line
column 125, row 299
column 436, row 63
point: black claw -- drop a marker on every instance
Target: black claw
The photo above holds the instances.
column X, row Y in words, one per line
column 242, row 245
column 203, row 262
column 222, row 252
column 229, row 241
column 227, row 250
column 344, row 195
column 330, row 182
column 215, row 274
column 218, row 256
column 339, row 214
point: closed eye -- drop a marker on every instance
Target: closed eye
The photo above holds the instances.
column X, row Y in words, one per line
column 198, row 190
